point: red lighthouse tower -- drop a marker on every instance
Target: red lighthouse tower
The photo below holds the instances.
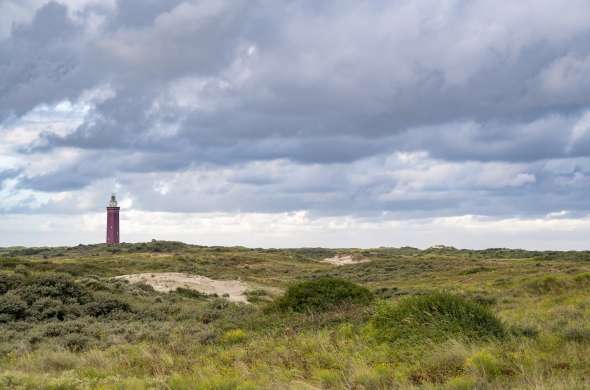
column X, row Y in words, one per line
column 113, row 221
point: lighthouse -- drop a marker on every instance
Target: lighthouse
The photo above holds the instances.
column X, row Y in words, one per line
column 113, row 221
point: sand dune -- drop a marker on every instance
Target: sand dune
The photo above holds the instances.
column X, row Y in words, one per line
column 170, row 281
column 339, row 260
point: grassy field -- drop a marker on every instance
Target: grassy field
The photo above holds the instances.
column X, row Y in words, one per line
column 438, row 319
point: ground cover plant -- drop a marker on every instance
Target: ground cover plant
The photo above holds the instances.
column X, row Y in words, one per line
column 435, row 317
column 441, row 318
column 322, row 294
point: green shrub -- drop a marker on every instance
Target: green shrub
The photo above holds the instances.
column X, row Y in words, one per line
column 12, row 308
column 577, row 334
column 9, row 282
column 21, row 269
column 60, row 287
column 190, row 293
column 322, row 293
column 53, row 297
column 547, row 284
column 49, row 308
column 582, row 279
column 95, row 284
column 59, row 329
column 26, row 252
column 76, row 342
column 256, row 296
column 105, row 306
column 461, row 383
column 524, row 331
column 435, row 317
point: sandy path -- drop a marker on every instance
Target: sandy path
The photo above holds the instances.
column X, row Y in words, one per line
column 170, row 281
column 345, row 260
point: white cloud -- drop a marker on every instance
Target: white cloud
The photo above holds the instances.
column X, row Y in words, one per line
column 417, row 171
column 300, row 229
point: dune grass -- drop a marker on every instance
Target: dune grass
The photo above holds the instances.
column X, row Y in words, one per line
column 408, row 319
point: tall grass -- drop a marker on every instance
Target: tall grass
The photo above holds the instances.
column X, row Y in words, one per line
column 509, row 319
column 435, row 317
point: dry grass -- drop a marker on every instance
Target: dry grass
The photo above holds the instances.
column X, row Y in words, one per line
column 175, row 341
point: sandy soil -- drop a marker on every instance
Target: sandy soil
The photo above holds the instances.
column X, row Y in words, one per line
column 345, row 260
column 170, row 281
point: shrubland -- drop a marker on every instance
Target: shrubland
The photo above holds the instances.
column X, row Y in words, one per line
column 322, row 294
column 441, row 318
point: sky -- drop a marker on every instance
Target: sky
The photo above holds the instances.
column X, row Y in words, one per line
column 288, row 123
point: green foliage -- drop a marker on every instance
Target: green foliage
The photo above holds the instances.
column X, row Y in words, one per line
column 53, row 297
column 26, row 252
column 577, row 334
column 9, row 281
column 461, row 383
column 321, row 294
column 443, row 362
column 435, row 317
column 67, row 324
column 547, row 284
column 76, row 342
column 484, row 364
column 105, row 306
column 190, row 293
column 233, row 336
column 551, row 284
column 256, row 296
column 58, row 286
column 12, row 307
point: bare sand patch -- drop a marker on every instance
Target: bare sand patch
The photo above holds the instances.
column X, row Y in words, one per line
column 339, row 260
column 170, row 281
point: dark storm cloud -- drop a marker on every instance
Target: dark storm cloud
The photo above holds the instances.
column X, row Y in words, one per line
column 334, row 85
column 324, row 72
column 39, row 62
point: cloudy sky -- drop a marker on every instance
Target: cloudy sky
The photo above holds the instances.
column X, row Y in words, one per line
column 297, row 123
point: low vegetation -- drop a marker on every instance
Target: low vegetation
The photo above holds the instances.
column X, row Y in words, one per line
column 441, row 318
column 433, row 318
column 322, row 294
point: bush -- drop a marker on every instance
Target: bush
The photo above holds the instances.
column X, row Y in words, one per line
column 461, row 383
column 582, row 279
column 576, row 334
column 76, row 342
column 435, row 317
column 190, row 293
column 105, row 306
column 12, row 308
column 53, row 297
column 257, row 296
column 59, row 329
column 322, row 293
column 49, row 308
column 546, row 285
column 57, row 286
column 9, row 282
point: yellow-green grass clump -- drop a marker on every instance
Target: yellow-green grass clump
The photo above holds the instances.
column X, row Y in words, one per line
column 435, row 317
